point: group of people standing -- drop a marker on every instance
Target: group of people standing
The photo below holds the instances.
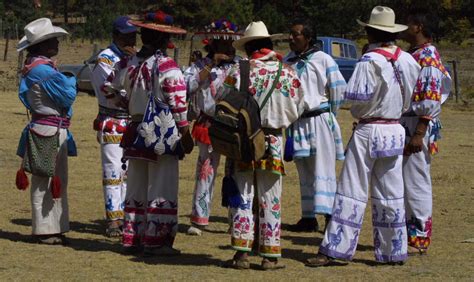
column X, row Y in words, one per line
column 396, row 97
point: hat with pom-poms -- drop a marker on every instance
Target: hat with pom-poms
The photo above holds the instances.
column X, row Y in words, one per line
column 159, row 21
column 220, row 29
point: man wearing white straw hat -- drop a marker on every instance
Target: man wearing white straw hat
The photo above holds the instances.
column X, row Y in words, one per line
column 46, row 141
column 379, row 91
column 278, row 92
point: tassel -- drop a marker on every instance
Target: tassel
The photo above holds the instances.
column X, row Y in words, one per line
column 22, row 181
column 56, row 187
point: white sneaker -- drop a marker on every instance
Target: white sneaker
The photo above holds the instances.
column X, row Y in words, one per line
column 194, row 231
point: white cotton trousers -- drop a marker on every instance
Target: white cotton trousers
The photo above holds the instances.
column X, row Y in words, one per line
column 384, row 175
column 113, row 178
column 51, row 216
column 206, row 172
column 418, row 189
column 151, row 202
column 269, row 187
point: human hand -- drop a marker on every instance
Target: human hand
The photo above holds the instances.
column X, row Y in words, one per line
column 414, row 146
column 129, row 50
column 218, row 58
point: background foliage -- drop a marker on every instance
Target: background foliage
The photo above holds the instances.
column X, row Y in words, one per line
column 329, row 17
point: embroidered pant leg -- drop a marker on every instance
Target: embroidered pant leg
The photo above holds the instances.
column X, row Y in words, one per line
column 135, row 203
column 324, row 175
column 306, row 169
column 242, row 232
column 418, row 197
column 269, row 187
column 162, row 206
column 206, row 171
column 388, row 211
column 341, row 236
column 113, row 182
column 51, row 216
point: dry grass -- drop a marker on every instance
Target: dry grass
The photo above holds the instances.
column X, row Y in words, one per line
column 92, row 256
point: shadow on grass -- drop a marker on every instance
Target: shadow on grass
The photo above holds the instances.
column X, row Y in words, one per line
column 74, row 243
column 212, row 219
column 95, row 227
column 184, row 259
column 303, row 241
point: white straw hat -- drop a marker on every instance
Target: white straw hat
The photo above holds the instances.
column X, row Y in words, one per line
column 38, row 31
column 383, row 18
column 255, row 30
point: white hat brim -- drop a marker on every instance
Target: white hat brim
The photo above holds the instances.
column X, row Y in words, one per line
column 396, row 28
column 24, row 43
column 240, row 43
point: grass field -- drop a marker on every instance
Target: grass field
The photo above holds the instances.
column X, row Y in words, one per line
column 93, row 256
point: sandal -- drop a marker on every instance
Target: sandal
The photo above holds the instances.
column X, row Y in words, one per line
column 240, row 264
column 268, row 264
column 239, row 261
column 318, row 260
column 49, row 239
column 114, row 229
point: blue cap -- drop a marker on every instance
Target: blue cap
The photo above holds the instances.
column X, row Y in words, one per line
column 122, row 24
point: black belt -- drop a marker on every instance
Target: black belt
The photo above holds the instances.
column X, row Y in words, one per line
column 315, row 113
column 272, row 131
column 116, row 113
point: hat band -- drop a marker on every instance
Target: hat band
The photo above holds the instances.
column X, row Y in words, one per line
column 382, row 24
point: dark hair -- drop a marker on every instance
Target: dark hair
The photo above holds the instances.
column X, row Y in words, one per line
column 33, row 49
column 197, row 54
column 309, row 31
column 422, row 17
column 258, row 44
column 157, row 39
column 380, row 35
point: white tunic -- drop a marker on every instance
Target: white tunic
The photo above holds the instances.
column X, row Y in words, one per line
column 373, row 89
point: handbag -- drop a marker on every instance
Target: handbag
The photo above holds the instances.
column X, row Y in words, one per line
column 157, row 132
column 41, row 152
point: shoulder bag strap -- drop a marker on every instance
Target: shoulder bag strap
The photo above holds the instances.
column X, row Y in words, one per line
column 275, row 82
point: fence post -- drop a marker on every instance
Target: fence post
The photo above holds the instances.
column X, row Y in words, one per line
column 96, row 49
column 457, row 93
column 176, row 54
column 20, row 66
column 5, row 54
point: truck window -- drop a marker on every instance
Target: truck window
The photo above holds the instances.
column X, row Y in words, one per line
column 346, row 51
column 352, row 52
column 336, row 49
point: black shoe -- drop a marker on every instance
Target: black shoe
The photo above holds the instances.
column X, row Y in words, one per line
column 305, row 225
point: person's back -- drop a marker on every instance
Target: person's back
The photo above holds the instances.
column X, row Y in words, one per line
column 374, row 90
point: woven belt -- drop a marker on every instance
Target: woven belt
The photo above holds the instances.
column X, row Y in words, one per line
column 115, row 113
column 315, row 113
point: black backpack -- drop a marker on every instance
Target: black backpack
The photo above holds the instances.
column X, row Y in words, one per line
column 235, row 130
